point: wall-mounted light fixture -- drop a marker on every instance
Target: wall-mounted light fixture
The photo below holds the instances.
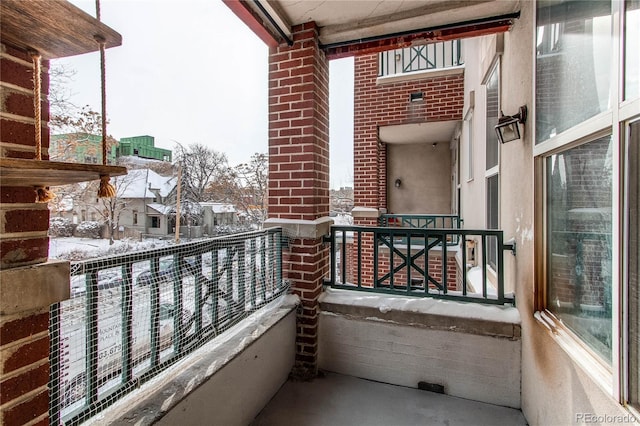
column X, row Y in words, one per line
column 507, row 128
column 415, row 97
column 398, row 183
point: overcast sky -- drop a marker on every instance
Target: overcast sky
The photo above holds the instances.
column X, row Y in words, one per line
column 190, row 71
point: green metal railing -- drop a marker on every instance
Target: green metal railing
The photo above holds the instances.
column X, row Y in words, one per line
column 134, row 315
column 439, row 55
column 416, row 262
column 432, row 221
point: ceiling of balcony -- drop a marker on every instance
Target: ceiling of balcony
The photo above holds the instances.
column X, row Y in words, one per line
column 344, row 22
column 423, row 133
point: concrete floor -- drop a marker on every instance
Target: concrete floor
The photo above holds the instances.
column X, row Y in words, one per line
column 335, row 400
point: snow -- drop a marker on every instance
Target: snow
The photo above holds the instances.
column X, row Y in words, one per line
column 219, row 207
column 160, row 208
column 61, row 248
column 139, row 183
column 386, row 303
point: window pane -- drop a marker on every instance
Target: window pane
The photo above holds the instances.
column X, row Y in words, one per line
column 579, row 239
column 492, row 219
column 493, row 110
column 632, row 47
column 573, row 76
column 633, row 262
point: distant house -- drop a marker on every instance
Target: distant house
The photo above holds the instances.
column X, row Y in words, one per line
column 145, row 193
column 218, row 214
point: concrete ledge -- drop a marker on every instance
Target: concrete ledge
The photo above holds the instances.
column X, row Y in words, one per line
column 34, row 287
column 366, row 212
column 436, row 314
column 473, row 352
column 227, row 381
column 297, row 228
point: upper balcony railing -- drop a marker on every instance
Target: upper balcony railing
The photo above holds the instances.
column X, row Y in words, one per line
column 433, row 56
column 132, row 316
column 420, row 262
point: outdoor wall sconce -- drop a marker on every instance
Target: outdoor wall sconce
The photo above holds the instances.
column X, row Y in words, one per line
column 397, row 183
column 415, row 97
column 507, row 128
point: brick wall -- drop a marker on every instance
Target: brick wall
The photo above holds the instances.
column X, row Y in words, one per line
column 388, row 104
column 24, row 338
column 23, row 223
column 299, row 173
column 299, row 128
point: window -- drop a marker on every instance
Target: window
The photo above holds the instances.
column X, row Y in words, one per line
column 468, row 123
column 633, row 262
column 591, row 184
column 632, row 47
column 492, row 161
column 493, row 113
column 579, row 223
column 155, row 222
column 135, row 217
column 574, row 83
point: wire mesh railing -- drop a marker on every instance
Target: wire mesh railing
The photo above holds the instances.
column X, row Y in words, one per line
column 419, row 262
column 439, row 55
column 132, row 316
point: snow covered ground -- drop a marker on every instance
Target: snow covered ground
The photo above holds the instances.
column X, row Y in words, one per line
column 73, row 248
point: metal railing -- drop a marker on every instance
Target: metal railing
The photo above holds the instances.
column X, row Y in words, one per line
column 444, row 54
column 132, row 316
column 419, row 262
column 423, row 221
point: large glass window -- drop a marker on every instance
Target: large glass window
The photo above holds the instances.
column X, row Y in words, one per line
column 492, row 161
column 632, row 50
column 633, row 262
column 573, row 66
column 579, row 223
column 493, row 111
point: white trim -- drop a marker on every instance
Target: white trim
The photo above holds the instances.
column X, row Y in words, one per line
column 573, row 346
column 599, row 123
column 629, row 109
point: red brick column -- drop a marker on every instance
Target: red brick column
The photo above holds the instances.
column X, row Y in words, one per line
column 28, row 285
column 299, row 174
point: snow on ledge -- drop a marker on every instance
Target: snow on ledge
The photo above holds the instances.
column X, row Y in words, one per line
column 447, row 308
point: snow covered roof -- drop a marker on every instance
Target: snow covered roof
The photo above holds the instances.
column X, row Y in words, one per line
column 219, row 207
column 160, row 208
column 139, row 183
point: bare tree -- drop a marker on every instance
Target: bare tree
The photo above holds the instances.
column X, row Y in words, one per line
column 251, row 187
column 109, row 209
column 200, row 165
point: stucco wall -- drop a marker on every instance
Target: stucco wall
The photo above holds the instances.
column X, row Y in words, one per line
column 555, row 387
column 425, row 172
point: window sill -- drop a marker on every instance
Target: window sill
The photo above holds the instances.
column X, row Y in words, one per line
column 577, row 351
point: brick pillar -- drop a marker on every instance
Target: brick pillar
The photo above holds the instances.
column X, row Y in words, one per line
column 28, row 283
column 299, row 174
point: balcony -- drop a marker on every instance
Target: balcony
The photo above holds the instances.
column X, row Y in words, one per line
column 186, row 320
column 420, row 59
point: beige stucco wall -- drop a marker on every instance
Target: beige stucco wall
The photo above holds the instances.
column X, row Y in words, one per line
column 555, row 387
column 425, row 172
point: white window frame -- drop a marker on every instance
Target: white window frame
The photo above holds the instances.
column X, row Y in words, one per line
column 614, row 121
